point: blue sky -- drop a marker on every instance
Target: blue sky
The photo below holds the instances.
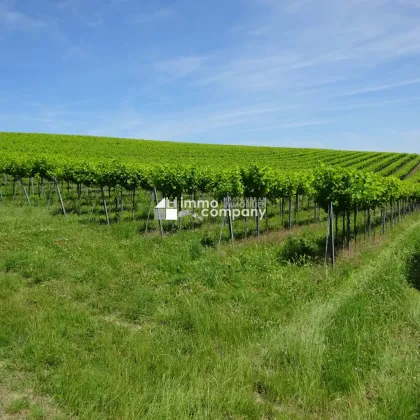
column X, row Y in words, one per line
column 326, row 73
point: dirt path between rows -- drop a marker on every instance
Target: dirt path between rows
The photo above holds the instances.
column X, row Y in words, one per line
column 18, row 401
column 413, row 171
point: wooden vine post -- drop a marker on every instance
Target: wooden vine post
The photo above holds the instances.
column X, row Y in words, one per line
column 104, row 204
column 257, row 218
column 57, row 187
column 25, row 192
column 229, row 207
column 348, row 231
column 331, row 230
column 160, row 220
column 290, row 213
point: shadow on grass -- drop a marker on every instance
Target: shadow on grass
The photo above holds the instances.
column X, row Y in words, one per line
column 413, row 270
column 302, row 250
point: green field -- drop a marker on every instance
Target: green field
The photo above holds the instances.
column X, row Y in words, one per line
column 197, row 320
column 102, row 323
column 163, row 152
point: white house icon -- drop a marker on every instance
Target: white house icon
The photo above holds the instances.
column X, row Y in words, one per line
column 163, row 211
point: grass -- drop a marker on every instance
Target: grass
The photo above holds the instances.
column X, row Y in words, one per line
column 18, row 400
column 106, row 323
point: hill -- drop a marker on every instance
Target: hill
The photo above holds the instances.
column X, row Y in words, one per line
column 224, row 156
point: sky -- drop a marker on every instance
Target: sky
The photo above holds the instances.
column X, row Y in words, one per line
column 297, row 73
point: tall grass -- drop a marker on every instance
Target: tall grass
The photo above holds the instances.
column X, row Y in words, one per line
column 113, row 324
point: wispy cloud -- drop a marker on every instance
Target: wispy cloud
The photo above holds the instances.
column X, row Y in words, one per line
column 296, row 5
column 292, row 69
column 249, row 112
column 74, row 51
column 71, row 5
column 125, row 123
column 180, row 124
column 154, row 16
column 180, row 66
column 341, row 39
column 95, row 23
column 268, row 72
column 410, row 3
column 113, row 3
column 17, row 20
column 379, row 88
column 297, row 124
column 367, row 104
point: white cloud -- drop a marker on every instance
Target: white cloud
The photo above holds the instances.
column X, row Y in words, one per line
column 334, row 38
column 19, row 20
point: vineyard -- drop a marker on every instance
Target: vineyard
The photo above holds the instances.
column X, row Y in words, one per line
column 122, row 179
column 147, row 152
column 109, row 312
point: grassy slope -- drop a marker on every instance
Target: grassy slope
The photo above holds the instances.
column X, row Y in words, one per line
column 117, row 325
column 227, row 156
column 164, row 152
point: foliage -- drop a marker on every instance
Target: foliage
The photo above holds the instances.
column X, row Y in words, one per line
column 301, row 250
column 347, row 189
